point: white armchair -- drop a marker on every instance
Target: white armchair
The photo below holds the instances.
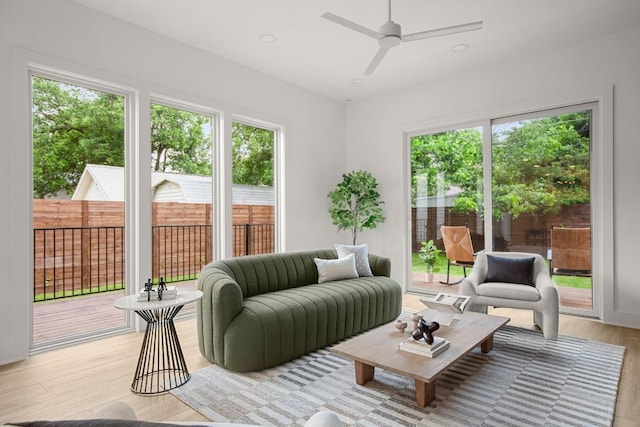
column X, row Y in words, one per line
column 541, row 295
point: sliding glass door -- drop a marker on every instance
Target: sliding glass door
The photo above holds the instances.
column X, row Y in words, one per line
column 78, row 137
column 541, row 194
column 446, row 189
column 536, row 196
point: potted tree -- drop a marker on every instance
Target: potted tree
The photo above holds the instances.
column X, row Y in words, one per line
column 355, row 203
column 429, row 253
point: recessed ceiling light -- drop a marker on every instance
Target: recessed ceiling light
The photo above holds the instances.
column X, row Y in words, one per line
column 460, row 48
column 357, row 81
column 268, row 38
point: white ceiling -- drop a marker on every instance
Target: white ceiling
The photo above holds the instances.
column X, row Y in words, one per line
column 321, row 56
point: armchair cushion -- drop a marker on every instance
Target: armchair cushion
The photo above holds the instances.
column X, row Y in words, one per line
column 510, row 270
column 508, row 291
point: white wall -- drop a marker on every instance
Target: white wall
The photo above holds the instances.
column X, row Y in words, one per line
column 66, row 35
column 375, row 141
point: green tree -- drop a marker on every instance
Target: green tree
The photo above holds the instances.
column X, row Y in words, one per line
column 537, row 165
column 252, row 155
column 178, row 141
column 72, row 126
column 75, row 126
column 457, row 157
column 541, row 165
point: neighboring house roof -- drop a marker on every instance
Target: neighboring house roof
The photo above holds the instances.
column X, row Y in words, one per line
column 107, row 183
column 100, row 183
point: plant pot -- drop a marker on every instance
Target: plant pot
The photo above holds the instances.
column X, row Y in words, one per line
column 429, row 277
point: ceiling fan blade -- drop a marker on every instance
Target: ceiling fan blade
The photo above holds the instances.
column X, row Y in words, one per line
column 376, row 60
column 472, row 26
column 352, row 25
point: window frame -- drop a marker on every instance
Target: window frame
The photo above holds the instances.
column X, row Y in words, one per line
column 278, row 175
column 130, row 156
column 601, row 177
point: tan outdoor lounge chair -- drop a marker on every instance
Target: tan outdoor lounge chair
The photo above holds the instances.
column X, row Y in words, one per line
column 570, row 251
column 458, row 248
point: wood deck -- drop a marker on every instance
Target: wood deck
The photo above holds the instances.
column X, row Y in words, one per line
column 60, row 319
column 78, row 316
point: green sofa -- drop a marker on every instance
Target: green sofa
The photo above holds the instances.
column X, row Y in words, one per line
column 260, row 311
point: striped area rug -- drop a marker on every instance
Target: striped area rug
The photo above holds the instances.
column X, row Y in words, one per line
column 524, row 381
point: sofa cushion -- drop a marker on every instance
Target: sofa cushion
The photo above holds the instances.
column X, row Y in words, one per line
column 510, row 270
column 508, row 291
column 336, row 269
column 361, row 252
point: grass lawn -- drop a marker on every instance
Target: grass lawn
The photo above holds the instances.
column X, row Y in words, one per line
column 441, row 267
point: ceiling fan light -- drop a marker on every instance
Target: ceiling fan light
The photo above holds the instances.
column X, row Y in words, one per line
column 389, row 41
column 460, row 48
column 268, row 38
column 390, row 28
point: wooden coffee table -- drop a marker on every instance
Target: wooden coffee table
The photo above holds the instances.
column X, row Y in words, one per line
column 379, row 348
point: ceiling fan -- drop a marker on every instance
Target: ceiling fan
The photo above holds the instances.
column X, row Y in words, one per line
column 390, row 34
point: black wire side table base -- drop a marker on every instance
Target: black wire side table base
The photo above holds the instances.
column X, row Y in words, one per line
column 161, row 366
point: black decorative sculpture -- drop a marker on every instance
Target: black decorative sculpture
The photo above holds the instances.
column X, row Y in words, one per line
column 148, row 288
column 162, row 286
column 425, row 330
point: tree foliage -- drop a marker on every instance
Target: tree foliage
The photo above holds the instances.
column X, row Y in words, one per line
column 446, row 160
column 75, row 126
column 541, row 166
column 178, row 141
column 355, row 203
column 72, row 127
column 537, row 165
column 252, row 155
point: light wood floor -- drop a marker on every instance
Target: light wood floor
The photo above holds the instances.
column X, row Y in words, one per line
column 76, row 382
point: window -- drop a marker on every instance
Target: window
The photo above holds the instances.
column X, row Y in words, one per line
column 253, row 189
column 92, row 198
column 78, row 137
column 182, row 194
column 539, row 185
column 541, row 190
column 446, row 189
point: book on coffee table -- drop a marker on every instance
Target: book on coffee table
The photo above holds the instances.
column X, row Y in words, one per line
column 449, row 303
column 422, row 348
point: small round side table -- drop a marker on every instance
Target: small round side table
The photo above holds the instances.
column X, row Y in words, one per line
column 161, row 366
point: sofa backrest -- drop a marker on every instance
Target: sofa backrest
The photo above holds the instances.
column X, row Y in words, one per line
column 259, row 274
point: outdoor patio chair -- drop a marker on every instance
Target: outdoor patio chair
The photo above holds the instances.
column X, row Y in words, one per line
column 458, row 248
column 570, row 251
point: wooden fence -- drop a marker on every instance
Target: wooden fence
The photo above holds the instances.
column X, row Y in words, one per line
column 79, row 245
column 527, row 232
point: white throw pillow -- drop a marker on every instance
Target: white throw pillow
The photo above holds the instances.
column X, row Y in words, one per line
column 361, row 252
column 336, row 269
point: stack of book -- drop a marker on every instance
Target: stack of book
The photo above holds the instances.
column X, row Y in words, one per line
column 422, row 348
column 169, row 293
